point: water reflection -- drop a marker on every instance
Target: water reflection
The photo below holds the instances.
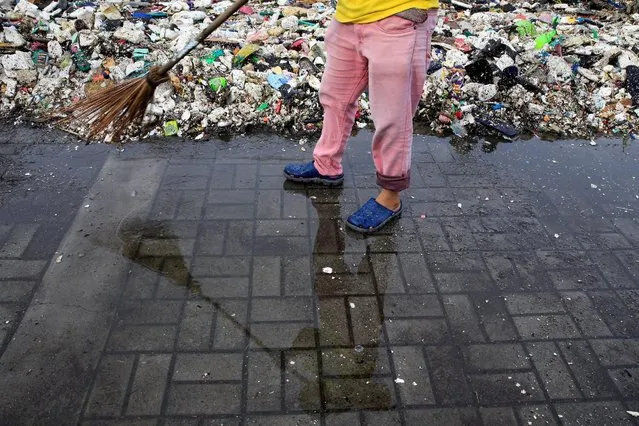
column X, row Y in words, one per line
column 349, row 367
column 349, row 318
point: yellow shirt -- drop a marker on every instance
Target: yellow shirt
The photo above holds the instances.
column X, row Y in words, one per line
column 365, row 11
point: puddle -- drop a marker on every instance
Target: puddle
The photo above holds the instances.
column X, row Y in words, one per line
column 159, row 248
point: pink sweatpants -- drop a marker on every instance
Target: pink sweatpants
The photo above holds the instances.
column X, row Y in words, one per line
column 390, row 57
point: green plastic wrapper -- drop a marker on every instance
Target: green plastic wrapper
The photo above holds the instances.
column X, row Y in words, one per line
column 213, row 56
column 544, row 39
column 217, row 83
column 526, row 28
column 171, row 128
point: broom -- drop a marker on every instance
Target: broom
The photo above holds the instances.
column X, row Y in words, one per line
column 116, row 108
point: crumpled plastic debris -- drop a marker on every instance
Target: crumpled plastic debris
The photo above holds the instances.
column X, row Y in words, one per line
column 546, row 68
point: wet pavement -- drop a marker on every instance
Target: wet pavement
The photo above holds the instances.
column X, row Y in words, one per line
column 187, row 283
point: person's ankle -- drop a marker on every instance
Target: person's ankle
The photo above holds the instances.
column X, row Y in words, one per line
column 389, row 199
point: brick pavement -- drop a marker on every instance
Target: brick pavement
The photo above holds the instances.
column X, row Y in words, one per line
column 471, row 315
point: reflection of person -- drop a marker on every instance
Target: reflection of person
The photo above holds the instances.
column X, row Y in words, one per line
column 355, row 359
column 383, row 45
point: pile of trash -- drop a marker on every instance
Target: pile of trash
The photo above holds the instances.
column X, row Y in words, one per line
column 503, row 67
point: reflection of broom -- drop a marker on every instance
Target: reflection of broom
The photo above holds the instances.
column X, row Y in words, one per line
column 120, row 106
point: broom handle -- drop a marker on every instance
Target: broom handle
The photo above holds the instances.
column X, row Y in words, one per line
column 217, row 22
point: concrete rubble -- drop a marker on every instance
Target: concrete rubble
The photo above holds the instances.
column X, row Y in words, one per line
column 548, row 69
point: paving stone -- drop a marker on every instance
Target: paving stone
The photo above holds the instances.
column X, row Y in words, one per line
column 629, row 259
column 380, row 418
column 629, row 228
column 148, row 386
column 143, row 338
column 612, row 352
column 282, row 335
column 354, row 393
column 541, row 414
column 494, row 317
column 502, row 388
column 534, row 303
column 553, row 371
column 194, row 399
column 277, row 309
column 239, row 238
column 191, row 205
column 224, row 421
column 221, row 266
column 416, row 274
column 352, row 362
column 267, row 272
column 505, row 356
column 410, row 366
column 416, row 305
column 208, row 366
column 235, row 196
column 150, row 312
column 417, row 331
column 231, row 325
column 618, row 317
column 284, row 420
column 546, row 327
column 592, row 379
column 463, row 320
column 586, row 316
column 607, row 413
column 431, row 233
column 109, row 389
column 454, row 262
column 297, row 276
column 565, row 259
column 196, row 326
column 457, row 282
column 16, row 291
column 613, row 270
column 347, row 418
column 448, row 378
column 334, row 328
column 627, row 381
column 21, row 269
column 222, row 287
column 18, row 240
column 121, row 422
column 264, row 383
column 301, row 381
column 387, row 273
column 583, row 279
column 498, row 416
column 443, row 416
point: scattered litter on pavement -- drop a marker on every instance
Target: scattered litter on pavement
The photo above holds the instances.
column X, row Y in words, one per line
column 327, row 270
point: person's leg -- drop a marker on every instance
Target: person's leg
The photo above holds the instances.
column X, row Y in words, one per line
column 344, row 80
column 397, row 51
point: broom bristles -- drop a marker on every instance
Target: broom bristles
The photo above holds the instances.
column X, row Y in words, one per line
column 114, row 108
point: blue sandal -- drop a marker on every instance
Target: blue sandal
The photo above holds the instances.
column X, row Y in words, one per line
column 307, row 173
column 372, row 217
